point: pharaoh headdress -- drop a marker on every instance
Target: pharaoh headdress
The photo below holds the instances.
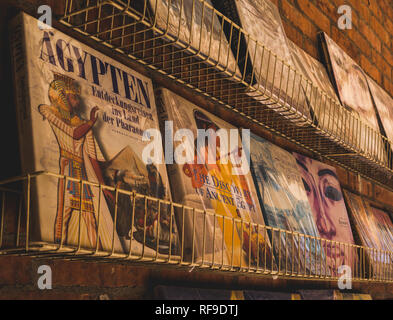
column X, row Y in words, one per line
column 58, row 90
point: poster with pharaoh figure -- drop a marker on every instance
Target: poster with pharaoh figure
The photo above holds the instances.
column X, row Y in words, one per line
column 330, row 214
column 321, row 96
column 221, row 219
column 267, row 49
column 82, row 115
column 354, row 94
column 285, row 206
column 194, row 25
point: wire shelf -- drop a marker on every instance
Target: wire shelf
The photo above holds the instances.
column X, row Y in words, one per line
column 193, row 46
column 289, row 255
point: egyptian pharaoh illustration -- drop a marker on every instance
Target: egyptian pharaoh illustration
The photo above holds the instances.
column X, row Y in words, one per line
column 81, row 158
column 79, row 152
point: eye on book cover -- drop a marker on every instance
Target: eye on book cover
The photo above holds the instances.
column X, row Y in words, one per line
column 82, row 115
column 327, row 203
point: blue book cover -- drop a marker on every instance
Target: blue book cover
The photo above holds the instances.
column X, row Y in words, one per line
column 285, row 206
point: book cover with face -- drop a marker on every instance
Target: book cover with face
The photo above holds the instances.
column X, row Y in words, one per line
column 285, row 205
column 330, row 214
column 195, row 25
column 226, row 227
column 82, row 116
column 355, row 95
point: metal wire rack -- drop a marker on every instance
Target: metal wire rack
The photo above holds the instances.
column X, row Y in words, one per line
column 197, row 53
column 192, row 43
column 287, row 254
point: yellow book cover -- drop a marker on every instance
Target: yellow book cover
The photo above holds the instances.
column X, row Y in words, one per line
column 227, row 227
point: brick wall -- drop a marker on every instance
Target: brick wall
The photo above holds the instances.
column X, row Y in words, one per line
column 369, row 43
column 79, row 280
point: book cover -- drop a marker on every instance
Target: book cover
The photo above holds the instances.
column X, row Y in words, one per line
column 285, row 206
column 313, row 70
column 82, row 116
column 383, row 103
column 221, row 219
column 370, row 235
column 354, row 93
column 329, row 211
column 362, row 220
column 384, row 231
column 266, row 57
column 384, row 228
column 321, row 96
column 194, row 25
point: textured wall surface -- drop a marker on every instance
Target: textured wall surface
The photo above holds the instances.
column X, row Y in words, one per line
column 369, row 43
column 113, row 281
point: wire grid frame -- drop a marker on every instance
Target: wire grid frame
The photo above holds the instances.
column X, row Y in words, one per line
column 287, row 255
column 192, row 43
